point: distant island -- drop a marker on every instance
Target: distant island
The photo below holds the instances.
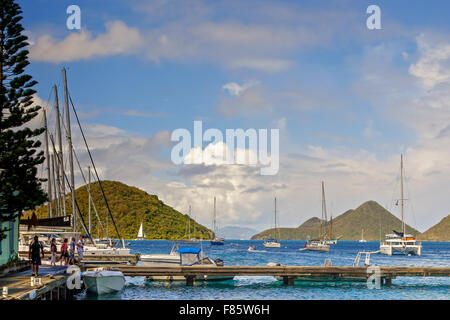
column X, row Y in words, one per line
column 370, row 216
column 130, row 206
column 438, row 232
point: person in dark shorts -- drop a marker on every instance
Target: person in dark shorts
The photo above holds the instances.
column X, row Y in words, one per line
column 72, row 251
column 36, row 249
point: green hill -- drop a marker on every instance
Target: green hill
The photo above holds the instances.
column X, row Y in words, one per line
column 348, row 225
column 438, row 232
column 130, row 206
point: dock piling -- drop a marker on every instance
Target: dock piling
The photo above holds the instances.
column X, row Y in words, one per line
column 190, row 281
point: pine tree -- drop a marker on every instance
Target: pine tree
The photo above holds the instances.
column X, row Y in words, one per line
column 20, row 189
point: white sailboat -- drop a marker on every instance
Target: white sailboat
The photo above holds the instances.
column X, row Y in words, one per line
column 319, row 244
column 141, row 234
column 401, row 242
column 362, row 236
column 273, row 242
column 216, row 241
column 188, row 230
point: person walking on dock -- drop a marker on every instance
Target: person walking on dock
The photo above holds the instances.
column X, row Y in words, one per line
column 53, row 250
column 72, row 251
column 34, row 255
column 80, row 249
column 64, row 253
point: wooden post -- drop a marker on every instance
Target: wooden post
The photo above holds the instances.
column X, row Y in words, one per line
column 388, row 282
column 288, row 281
column 190, row 281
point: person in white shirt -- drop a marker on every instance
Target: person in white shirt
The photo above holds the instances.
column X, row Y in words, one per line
column 80, row 248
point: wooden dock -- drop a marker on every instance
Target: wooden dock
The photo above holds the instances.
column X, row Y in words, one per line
column 96, row 258
column 19, row 288
column 288, row 273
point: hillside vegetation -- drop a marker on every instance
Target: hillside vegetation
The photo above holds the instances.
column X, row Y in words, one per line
column 130, row 206
column 438, row 232
column 370, row 216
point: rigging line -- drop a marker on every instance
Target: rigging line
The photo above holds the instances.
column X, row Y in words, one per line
column 84, row 178
column 95, row 169
column 76, row 202
column 82, row 174
column 88, row 189
column 410, row 199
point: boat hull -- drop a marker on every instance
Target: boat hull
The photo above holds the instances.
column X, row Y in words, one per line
column 272, row 244
column 316, row 247
column 161, row 259
column 103, row 282
column 405, row 250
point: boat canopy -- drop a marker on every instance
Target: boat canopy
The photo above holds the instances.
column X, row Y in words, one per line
column 189, row 250
column 271, row 240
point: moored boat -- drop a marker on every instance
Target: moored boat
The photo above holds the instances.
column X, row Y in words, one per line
column 320, row 244
column 103, row 281
column 273, row 242
column 216, row 241
column 193, row 257
column 401, row 242
column 316, row 245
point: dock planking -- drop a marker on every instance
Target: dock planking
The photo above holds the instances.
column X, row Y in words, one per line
column 287, row 273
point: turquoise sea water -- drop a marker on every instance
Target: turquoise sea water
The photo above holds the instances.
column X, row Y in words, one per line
column 234, row 253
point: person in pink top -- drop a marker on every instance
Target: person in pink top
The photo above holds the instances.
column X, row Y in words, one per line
column 64, row 253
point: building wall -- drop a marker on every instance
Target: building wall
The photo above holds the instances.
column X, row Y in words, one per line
column 9, row 246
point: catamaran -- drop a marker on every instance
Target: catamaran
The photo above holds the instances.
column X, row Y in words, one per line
column 273, row 242
column 401, row 242
column 216, row 241
column 319, row 244
column 141, row 234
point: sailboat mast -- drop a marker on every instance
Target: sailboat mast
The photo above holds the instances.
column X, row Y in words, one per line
column 55, row 183
column 49, row 180
column 331, row 226
column 89, row 197
column 275, row 230
column 69, row 142
column 189, row 221
column 60, row 167
column 324, row 213
column 402, row 196
column 214, row 217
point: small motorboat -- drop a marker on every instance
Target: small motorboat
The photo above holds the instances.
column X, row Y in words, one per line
column 163, row 259
column 99, row 281
column 252, row 248
column 193, row 257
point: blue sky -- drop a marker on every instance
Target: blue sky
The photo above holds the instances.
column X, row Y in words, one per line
column 348, row 97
